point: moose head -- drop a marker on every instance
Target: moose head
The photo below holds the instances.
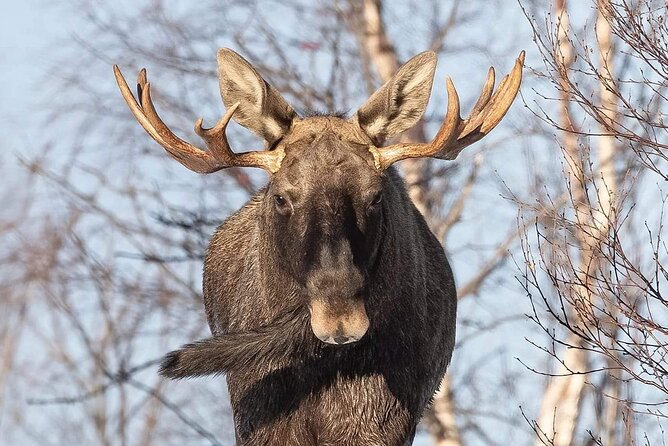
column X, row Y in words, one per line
column 327, row 196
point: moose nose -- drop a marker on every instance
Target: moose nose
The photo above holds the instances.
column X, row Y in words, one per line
column 340, row 322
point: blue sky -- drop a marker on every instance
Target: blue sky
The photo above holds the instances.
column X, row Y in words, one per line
column 28, row 31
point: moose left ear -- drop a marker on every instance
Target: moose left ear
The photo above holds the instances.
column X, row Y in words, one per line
column 261, row 108
column 400, row 103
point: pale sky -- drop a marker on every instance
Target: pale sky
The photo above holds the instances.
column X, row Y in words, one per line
column 28, row 31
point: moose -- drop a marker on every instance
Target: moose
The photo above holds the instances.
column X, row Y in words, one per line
column 331, row 304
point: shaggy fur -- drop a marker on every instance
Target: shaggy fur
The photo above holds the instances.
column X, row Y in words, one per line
column 287, row 387
column 240, row 351
column 333, row 227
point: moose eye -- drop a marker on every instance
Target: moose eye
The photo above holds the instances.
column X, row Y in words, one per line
column 376, row 199
column 280, row 201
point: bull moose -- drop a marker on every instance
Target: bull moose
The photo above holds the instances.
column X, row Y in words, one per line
column 332, row 305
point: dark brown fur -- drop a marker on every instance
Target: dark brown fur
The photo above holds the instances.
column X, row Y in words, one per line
column 331, row 238
column 285, row 383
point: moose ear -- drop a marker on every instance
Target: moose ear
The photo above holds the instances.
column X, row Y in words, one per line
column 262, row 109
column 400, row 103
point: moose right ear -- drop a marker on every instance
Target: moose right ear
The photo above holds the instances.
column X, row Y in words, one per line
column 400, row 103
column 262, row 109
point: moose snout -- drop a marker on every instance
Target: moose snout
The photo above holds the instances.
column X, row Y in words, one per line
column 338, row 321
column 335, row 287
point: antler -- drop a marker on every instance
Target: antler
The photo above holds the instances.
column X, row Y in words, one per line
column 456, row 133
column 219, row 154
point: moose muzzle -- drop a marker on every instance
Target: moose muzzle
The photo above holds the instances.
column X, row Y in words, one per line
column 335, row 287
column 338, row 321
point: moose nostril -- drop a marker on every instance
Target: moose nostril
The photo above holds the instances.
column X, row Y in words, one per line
column 341, row 339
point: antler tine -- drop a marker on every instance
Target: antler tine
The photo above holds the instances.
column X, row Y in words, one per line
column 187, row 154
column 215, row 137
column 475, row 118
column 216, row 141
column 494, row 111
column 499, row 107
column 192, row 157
column 485, row 94
column 141, row 81
column 455, row 133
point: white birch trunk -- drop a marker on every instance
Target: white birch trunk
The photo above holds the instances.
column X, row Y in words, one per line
column 560, row 406
column 386, row 62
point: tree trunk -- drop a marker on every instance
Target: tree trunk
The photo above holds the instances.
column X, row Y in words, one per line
column 560, row 406
column 441, row 416
column 440, row 419
column 607, row 194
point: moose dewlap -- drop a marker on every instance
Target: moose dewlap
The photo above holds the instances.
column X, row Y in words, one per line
column 332, row 305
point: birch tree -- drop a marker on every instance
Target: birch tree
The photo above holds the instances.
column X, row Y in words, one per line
column 604, row 297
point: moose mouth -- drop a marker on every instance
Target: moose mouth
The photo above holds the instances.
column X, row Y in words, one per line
column 338, row 321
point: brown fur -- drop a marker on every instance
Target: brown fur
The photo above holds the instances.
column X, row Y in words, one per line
column 345, row 239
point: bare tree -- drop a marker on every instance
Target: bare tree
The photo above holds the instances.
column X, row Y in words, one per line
column 602, row 276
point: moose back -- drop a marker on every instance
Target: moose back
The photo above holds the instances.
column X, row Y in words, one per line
column 332, row 305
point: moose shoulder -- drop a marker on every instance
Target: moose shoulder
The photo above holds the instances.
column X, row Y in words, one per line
column 331, row 303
